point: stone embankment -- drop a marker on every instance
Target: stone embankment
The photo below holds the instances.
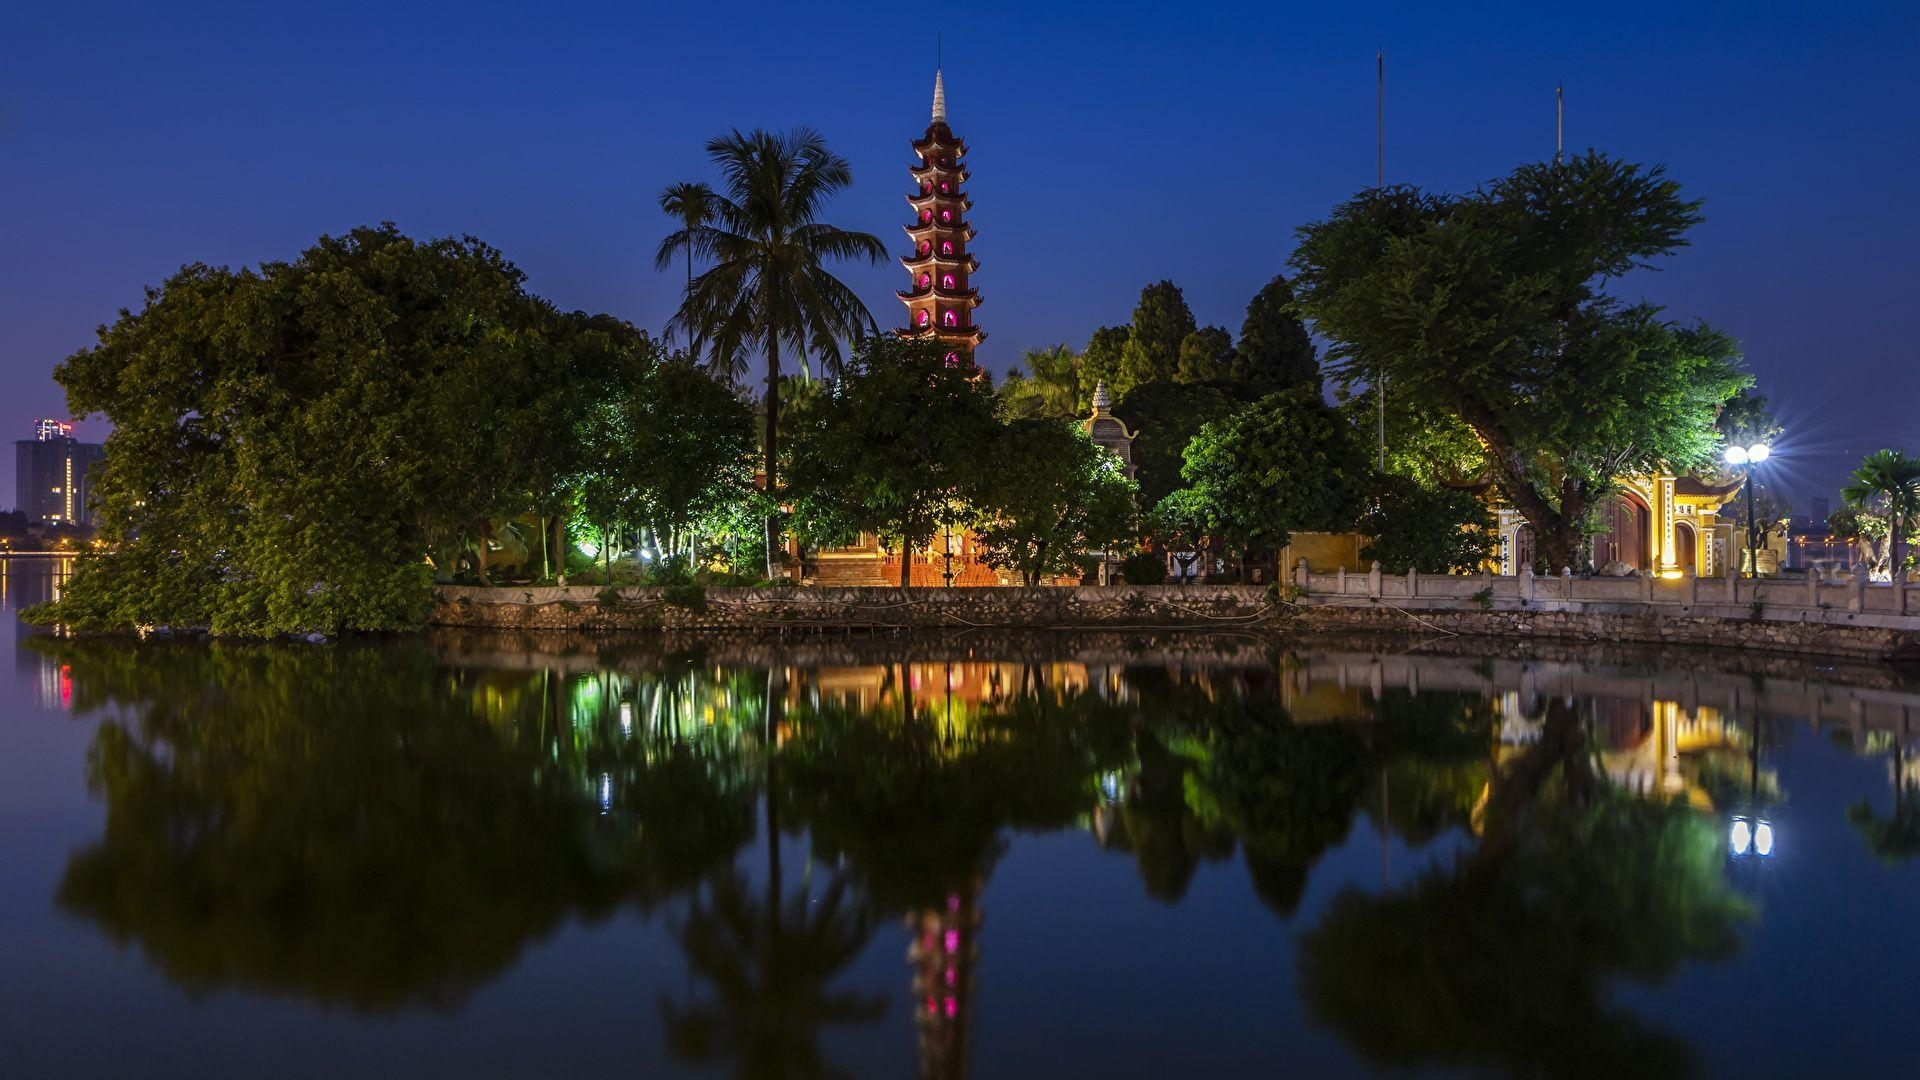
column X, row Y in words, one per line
column 1852, row 618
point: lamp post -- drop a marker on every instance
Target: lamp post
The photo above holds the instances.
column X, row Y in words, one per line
column 1747, row 457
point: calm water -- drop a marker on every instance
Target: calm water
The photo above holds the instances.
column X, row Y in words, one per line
column 483, row 856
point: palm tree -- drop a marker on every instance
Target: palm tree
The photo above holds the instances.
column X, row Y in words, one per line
column 691, row 204
column 768, row 288
column 1890, row 478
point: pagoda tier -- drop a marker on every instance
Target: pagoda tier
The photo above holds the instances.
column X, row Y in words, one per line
column 937, row 292
column 940, row 299
column 938, row 199
column 931, row 258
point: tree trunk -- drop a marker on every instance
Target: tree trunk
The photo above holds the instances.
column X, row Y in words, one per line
column 1554, row 531
column 560, row 547
column 772, row 456
column 906, row 561
column 606, row 552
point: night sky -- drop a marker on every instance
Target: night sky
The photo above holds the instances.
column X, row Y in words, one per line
column 1113, row 145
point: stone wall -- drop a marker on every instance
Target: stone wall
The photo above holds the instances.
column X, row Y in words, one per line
column 833, row 610
column 1708, row 613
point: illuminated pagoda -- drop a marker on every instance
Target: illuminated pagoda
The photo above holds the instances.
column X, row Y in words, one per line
column 940, row 299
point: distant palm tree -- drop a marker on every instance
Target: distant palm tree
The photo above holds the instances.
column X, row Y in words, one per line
column 691, row 204
column 769, row 287
column 1892, row 478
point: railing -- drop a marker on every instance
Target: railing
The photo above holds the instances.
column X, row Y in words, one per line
column 1854, row 594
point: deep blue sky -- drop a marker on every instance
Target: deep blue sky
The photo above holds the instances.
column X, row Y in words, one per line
column 1112, row 145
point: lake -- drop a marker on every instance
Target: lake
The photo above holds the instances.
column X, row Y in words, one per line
column 1100, row 855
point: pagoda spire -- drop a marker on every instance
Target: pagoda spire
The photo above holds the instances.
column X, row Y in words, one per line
column 940, row 300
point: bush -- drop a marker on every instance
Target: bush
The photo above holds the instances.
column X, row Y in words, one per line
column 690, row 596
column 1144, row 568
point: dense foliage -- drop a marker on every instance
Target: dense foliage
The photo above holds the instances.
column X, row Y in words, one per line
column 1045, row 496
column 292, row 445
column 885, row 448
column 1287, row 462
column 1488, row 307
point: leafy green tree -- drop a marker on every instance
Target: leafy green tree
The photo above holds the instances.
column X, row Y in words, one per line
column 1275, row 351
column 1287, row 462
column 1049, row 385
column 666, row 449
column 1100, row 361
column 292, row 443
column 1046, row 497
column 1165, row 416
column 1415, row 526
column 887, row 447
column 1887, row 483
column 1205, row 354
column 1488, row 307
column 1161, row 321
column 769, row 288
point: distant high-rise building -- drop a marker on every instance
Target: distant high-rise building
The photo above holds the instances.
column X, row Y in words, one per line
column 52, row 474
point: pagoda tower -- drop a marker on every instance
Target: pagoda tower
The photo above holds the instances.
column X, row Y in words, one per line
column 941, row 299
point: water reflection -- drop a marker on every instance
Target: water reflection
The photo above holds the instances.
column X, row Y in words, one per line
column 388, row 828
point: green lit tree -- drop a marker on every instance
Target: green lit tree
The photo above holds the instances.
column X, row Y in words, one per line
column 1045, row 497
column 293, row 443
column 1284, row 463
column 1100, row 361
column 1416, row 526
column 1488, row 307
column 1165, row 417
column 888, row 447
column 769, row 290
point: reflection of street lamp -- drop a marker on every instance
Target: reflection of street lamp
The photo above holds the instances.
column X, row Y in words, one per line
column 1754, row 835
column 1749, row 456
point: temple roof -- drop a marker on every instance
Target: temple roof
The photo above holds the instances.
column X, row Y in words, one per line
column 919, row 227
column 970, row 334
column 970, row 295
column 915, row 262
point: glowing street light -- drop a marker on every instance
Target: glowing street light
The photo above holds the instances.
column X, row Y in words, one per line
column 1747, row 457
column 1750, row 837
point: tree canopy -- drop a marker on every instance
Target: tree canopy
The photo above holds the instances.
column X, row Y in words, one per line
column 1287, row 462
column 887, row 447
column 1046, row 497
column 1488, row 307
column 1275, row 350
column 293, row 443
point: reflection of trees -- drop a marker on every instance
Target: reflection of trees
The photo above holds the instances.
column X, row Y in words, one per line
column 916, row 807
column 1238, row 768
column 1896, row 838
column 361, row 826
column 770, row 961
column 1504, row 958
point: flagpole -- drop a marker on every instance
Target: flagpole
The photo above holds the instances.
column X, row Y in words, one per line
column 1380, row 184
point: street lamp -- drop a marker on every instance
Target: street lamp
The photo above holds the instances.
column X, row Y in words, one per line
column 1747, row 457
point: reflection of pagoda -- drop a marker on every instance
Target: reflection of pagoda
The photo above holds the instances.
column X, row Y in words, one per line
column 940, row 301
column 944, row 953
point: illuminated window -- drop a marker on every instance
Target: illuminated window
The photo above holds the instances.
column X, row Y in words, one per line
column 946, row 281
column 926, row 216
column 953, row 359
column 951, row 319
column 926, row 247
column 946, row 247
column 944, row 187
column 926, row 186
column 946, row 215
column 926, row 280
column 923, row 318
